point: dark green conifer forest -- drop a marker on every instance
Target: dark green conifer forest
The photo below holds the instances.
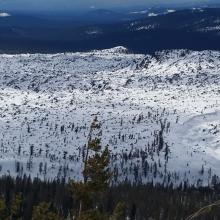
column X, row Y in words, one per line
column 23, row 198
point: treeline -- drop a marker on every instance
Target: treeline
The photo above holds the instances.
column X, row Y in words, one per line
column 24, row 199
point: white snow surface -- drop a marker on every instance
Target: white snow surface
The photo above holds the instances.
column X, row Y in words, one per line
column 208, row 29
column 47, row 103
column 152, row 14
column 4, row 14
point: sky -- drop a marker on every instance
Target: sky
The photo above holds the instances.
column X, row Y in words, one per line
column 84, row 4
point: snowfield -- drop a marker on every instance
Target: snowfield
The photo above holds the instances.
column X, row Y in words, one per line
column 160, row 115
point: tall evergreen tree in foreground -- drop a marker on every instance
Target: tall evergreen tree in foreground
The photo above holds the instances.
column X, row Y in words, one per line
column 96, row 176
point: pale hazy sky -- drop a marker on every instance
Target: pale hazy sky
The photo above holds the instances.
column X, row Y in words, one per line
column 85, row 4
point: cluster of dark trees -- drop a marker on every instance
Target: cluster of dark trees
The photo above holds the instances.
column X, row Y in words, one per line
column 22, row 198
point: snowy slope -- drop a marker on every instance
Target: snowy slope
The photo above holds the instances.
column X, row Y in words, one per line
column 160, row 115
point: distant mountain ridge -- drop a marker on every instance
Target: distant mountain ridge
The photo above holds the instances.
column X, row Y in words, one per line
column 195, row 29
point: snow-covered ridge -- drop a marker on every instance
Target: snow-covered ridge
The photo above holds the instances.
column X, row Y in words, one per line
column 207, row 29
column 160, row 115
column 152, row 14
column 4, row 14
column 119, row 49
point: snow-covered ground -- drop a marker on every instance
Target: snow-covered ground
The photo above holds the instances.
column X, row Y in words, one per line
column 160, row 115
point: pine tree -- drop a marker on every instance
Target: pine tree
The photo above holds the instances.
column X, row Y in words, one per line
column 43, row 212
column 3, row 209
column 118, row 213
column 96, row 176
column 16, row 207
